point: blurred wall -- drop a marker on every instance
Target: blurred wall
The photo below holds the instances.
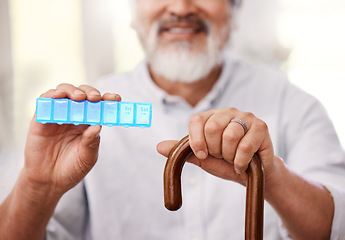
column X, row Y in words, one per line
column 255, row 38
column 6, row 83
column 97, row 22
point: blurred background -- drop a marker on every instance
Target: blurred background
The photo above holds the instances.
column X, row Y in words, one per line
column 47, row 42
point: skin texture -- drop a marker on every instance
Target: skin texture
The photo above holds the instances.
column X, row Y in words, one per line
column 58, row 157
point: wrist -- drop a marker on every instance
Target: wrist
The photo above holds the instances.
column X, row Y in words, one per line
column 30, row 206
column 41, row 193
column 274, row 179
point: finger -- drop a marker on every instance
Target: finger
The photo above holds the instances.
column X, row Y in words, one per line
column 214, row 129
column 92, row 94
column 219, row 168
column 197, row 139
column 232, row 135
column 53, row 93
column 249, row 145
column 111, row 97
column 91, row 134
column 165, row 147
column 72, row 92
column 89, row 145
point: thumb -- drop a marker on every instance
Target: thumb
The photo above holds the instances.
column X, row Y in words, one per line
column 89, row 144
column 91, row 136
column 165, row 147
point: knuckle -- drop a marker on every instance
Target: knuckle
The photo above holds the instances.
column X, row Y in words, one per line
column 84, row 86
column 95, row 144
column 84, row 166
column 246, row 148
column 51, row 91
column 230, row 136
column 249, row 115
column 197, row 144
column 196, row 119
column 232, row 109
column 263, row 125
column 212, row 127
column 63, row 85
column 60, row 85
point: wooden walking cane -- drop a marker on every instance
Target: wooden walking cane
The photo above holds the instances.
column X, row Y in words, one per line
column 255, row 188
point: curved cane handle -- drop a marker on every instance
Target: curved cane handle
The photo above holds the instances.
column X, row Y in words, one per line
column 255, row 188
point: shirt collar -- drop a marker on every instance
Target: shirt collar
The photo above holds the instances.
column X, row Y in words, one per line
column 216, row 93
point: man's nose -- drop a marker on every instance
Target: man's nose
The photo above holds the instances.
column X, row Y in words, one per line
column 182, row 7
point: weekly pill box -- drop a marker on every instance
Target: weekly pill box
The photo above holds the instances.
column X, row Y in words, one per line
column 109, row 113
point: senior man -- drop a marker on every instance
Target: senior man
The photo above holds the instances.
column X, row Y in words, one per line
column 194, row 89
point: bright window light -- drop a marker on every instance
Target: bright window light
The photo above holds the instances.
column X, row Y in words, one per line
column 315, row 32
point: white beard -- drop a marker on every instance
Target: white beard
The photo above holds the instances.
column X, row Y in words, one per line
column 179, row 61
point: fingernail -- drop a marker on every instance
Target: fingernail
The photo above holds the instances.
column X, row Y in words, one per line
column 59, row 91
column 78, row 92
column 112, row 95
column 201, row 155
column 95, row 93
column 238, row 171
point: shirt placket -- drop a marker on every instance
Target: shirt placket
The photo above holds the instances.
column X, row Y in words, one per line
column 192, row 202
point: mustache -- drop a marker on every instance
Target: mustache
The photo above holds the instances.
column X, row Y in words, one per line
column 188, row 19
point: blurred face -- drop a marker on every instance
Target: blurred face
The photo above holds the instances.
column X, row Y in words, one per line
column 183, row 39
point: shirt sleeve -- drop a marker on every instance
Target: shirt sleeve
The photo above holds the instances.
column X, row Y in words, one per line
column 71, row 218
column 338, row 230
column 313, row 149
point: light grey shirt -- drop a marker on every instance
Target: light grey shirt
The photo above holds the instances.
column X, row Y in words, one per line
column 122, row 197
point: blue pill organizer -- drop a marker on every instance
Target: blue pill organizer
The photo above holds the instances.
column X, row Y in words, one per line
column 109, row 113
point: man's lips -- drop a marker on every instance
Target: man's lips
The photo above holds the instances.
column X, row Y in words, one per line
column 182, row 32
column 183, row 29
column 183, row 26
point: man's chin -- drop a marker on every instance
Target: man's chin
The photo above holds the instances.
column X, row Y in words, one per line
column 184, row 68
column 182, row 47
column 184, row 61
